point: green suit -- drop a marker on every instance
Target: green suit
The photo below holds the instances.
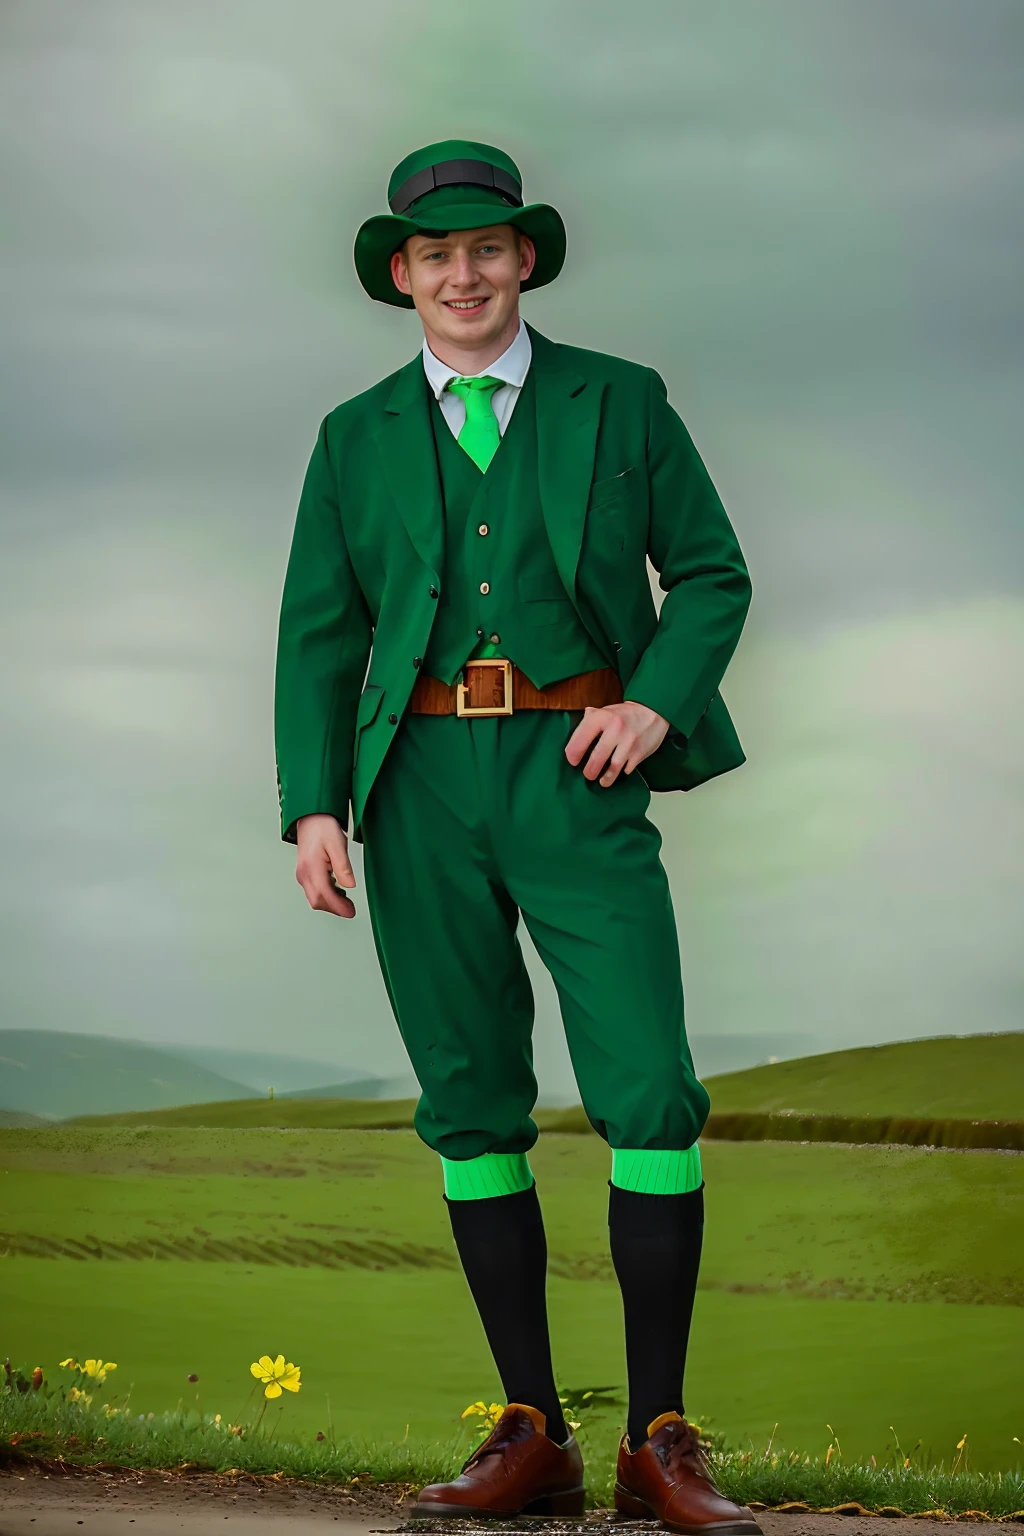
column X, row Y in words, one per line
column 469, row 824
column 366, row 557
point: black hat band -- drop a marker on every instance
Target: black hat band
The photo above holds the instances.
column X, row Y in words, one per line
column 474, row 173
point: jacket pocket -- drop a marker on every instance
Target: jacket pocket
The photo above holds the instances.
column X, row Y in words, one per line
column 369, row 703
column 543, row 597
column 603, row 492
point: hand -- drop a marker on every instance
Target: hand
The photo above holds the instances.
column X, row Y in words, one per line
column 322, row 864
column 622, row 736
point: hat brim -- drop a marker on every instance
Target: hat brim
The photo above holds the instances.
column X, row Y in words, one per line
column 380, row 237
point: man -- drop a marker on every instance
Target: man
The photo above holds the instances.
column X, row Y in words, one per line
column 476, row 529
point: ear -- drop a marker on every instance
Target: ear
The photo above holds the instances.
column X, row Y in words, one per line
column 400, row 272
column 527, row 257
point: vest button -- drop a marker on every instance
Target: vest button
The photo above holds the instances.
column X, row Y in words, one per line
column 392, row 719
column 485, row 587
column 417, row 661
column 433, row 591
column 479, row 634
column 483, row 530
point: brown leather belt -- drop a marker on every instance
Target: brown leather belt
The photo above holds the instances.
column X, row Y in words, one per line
column 498, row 687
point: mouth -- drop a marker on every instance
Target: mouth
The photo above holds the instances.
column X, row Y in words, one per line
column 465, row 306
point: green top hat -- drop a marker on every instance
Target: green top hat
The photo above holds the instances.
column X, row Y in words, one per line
column 454, row 185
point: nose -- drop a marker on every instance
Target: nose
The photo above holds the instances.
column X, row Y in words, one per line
column 462, row 273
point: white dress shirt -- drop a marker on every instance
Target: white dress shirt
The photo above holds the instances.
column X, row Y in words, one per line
column 512, row 366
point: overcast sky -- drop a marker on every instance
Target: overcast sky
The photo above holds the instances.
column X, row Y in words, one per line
column 807, row 216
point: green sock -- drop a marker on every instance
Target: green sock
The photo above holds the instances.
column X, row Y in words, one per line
column 478, row 1178
column 654, row 1172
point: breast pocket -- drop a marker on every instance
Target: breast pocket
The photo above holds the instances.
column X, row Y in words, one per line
column 609, row 492
column 544, row 599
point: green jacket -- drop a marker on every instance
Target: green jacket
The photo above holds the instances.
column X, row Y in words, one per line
column 620, row 481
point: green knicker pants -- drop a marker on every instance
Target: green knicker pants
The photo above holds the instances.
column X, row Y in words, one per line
column 470, row 824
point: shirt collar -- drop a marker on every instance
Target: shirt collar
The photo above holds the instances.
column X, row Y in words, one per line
column 511, row 367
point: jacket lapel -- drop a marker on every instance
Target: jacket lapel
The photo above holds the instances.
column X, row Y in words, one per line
column 406, row 445
column 568, row 417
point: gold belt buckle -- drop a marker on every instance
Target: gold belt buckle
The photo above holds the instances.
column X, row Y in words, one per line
column 479, row 711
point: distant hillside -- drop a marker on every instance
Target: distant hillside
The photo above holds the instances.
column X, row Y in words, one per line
column 715, row 1054
column 299, row 1112
column 358, row 1088
column 281, row 1113
column 969, row 1077
column 17, row 1119
column 260, row 1070
column 56, row 1073
column 979, row 1077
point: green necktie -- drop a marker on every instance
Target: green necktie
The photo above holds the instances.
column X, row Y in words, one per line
column 480, row 436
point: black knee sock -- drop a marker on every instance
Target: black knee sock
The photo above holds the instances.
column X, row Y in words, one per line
column 504, row 1254
column 655, row 1243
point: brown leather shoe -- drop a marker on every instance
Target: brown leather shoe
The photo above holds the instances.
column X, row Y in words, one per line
column 668, row 1478
column 517, row 1471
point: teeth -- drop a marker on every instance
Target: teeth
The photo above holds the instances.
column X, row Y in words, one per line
column 463, row 303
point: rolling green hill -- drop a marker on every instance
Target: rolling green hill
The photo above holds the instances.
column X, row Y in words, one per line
column 298, row 1112
column 979, row 1077
column 277, row 1113
column 21, row 1118
column 976, row 1077
column 57, row 1073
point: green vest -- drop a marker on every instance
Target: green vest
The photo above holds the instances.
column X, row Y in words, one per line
column 494, row 535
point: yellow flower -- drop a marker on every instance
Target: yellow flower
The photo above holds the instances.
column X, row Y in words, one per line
column 275, row 1375
column 98, row 1369
column 75, row 1396
column 489, row 1413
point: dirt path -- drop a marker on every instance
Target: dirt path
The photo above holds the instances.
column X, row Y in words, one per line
column 48, row 1502
column 70, row 1502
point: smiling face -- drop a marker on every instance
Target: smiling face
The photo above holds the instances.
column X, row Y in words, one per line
column 465, row 286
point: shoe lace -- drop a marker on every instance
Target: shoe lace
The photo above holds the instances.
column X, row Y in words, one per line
column 509, row 1430
column 677, row 1443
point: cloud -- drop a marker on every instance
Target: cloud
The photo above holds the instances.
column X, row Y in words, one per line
column 806, row 220
column 859, row 877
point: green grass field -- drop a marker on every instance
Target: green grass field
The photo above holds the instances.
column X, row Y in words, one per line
column 858, row 1287
column 976, row 1077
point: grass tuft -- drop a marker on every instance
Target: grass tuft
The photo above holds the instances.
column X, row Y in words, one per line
column 35, row 1426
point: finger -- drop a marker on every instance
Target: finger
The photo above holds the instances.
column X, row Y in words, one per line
column 601, row 752
column 589, row 727
column 321, row 892
column 618, row 761
column 337, row 853
column 324, row 896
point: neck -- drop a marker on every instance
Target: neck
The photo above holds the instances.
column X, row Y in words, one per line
column 470, row 360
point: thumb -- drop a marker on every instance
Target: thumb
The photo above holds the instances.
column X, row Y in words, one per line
column 337, row 853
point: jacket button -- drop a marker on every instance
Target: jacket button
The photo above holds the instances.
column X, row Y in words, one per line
column 433, row 591
column 485, row 587
column 417, row 661
column 480, row 634
column 617, row 644
column 392, row 719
